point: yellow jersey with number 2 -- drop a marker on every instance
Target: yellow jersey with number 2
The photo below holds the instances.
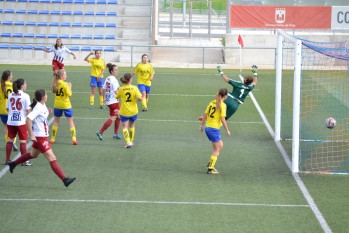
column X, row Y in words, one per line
column 128, row 95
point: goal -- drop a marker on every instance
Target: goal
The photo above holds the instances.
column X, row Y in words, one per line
column 312, row 84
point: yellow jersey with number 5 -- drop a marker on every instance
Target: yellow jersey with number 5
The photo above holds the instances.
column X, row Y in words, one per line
column 128, row 95
column 214, row 115
column 3, row 99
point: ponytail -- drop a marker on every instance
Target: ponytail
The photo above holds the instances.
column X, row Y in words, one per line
column 17, row 85
column 39, row 94
column 125, row 79
column 5, row 77
column 219, row 96
column 56, row 77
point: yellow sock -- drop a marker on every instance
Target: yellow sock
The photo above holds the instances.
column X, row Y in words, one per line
column 101, row 101
column 14, row 140
column 147, row 101
column 132, row 134
column 212, row 162
column 73, row 133
column 6, row 137
column 144, row 103
column 54, row 133
column 126, row 135
column 92, row 100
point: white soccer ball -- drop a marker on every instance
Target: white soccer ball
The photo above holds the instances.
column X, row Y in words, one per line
column 331, row 123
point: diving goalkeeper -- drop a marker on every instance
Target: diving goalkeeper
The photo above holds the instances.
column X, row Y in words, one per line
column 240, row 90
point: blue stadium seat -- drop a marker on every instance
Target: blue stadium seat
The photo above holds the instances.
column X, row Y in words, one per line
column 30, row 23
column 4, row 46
column 109, row 49
column 86, row 48
column 20, row 23
column 98, row 37
column 68, row 1
column 29, row 47
column 7, row 22
column 45, row 1
column 64, row 36
column 74, row 48
column 100, row 13
column 6, row 34
column 10, row 11
column 39, row 47
column 87, row 25
column 90, row 2
column 112, row 2
column 28, row 35
column 111, row 13
column 110, row 25
column 55, row 12
column 1, row 10
column 65, row 24
column 21, row 11
column 17, row 35
column 53, row 36
column 66, row 12
column 76, row 24
column 109, row 37
column 16, row 46
column 53, row 24
column 56, row 1
column 79, row 1
column 91, row 13
column 34, row 1
column 87, row 37
column 75, row 36
column 102, row 2
column 22, row 1
column 97, row 48
column 99, row 25
column 40, row 36
column 32, row 12
column 43, row 12
column 78, row 13
column 42, row 24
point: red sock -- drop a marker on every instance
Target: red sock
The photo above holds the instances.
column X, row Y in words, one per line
column 57, row 169
column 116, row 126
column 106, row 125
column 8, row 150
column 23, row 148
column 24, row 157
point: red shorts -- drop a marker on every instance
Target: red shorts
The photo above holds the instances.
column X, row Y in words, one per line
column 113, row 109
column 21, row 130
column 57, row 65
column 42, row 144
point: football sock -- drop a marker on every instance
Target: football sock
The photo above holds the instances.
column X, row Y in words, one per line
column 54, row 132
column 8, row 150
column 14, row 140
column 106, row 125
column 116, row 125
column 144, row 103
column 23, row 147
column 25, row 157
column 101, row 101
column 92, row 100
column 132, row 134
column 73, row 133
column 57, row 169
column 212, row 162
column 147, row 101
column 126, row 135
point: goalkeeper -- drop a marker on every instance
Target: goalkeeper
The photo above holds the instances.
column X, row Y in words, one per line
column 240, row 90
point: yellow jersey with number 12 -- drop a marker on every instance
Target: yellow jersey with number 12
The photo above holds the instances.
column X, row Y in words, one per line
column 214, row 115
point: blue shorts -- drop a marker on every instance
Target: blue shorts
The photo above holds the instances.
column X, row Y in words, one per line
column 95, row 83
column 4, row 118
column 213, row 134
column 144, row 88
column 128, row 118
column 57, row 112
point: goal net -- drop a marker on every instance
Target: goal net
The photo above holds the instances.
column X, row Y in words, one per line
column 312, row 84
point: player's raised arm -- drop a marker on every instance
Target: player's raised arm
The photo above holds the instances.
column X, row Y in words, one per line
column 225, row 78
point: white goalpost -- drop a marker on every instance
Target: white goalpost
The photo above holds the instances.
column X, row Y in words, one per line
column 312, row 85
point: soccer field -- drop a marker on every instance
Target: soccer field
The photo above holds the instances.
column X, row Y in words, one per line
column 160, row 184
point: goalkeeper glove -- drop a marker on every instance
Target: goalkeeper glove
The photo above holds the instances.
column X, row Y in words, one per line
column 220, row 70
column 254, row 70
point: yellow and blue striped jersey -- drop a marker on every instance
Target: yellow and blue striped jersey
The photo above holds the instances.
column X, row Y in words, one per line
column 144, row 72
column 62, row 96
column 214, row 115
column 128, row 95
column 3, row 99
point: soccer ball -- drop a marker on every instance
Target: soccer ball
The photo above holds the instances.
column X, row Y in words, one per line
column 330, row 123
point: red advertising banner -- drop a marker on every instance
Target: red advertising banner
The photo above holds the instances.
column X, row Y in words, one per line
column 283, row 17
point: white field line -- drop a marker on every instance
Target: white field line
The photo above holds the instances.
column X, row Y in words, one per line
column 325, row 227
column 152, row 202
column 5, row 169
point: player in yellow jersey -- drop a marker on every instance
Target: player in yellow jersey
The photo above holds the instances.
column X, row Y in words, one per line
column 145, row 73
column 96, row 77
column 214, row 117
column 5, row 90
column 128, row 94
column 62, row 104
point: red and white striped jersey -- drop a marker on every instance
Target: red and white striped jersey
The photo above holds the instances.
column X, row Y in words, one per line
column 59, row 53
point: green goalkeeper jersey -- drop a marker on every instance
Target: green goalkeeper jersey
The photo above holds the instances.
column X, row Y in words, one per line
column 240, row 90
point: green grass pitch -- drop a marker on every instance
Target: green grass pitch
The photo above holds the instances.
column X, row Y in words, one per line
column 160, row 184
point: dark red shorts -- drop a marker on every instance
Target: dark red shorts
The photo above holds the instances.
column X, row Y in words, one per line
column 57, row 65
column 21, row 130
column 113, row 108
column 42, row 144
